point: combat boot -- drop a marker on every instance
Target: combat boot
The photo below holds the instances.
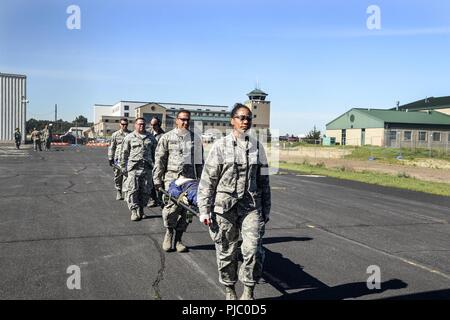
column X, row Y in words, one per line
column 230, row 293
column 135, row 215
column 141, row 212
column 167, row 242
column 248, row 293
column 178, row 244
column 119, row 195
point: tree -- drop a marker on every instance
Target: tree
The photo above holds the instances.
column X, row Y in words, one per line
column 80, row 121
column 313, row 135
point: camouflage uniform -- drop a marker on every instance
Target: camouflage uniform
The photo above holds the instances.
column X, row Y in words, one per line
column 176, row 156
column 158, row 135
column 114, row 152
column 155, row 199
column 36, row 137
column 137, row 159
column 46, row 138
column 235, row 189
column 18, row 138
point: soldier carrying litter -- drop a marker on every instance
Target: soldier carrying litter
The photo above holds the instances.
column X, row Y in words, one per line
column 179, row 154
column 158, row 132
column 137, row 161
column 114, row 152
column 234, row 200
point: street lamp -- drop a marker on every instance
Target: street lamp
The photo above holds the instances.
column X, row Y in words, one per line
column 24, row 101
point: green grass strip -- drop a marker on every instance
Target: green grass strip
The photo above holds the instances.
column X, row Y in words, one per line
column 401, row 181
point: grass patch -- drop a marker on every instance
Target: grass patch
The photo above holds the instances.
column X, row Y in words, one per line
column 401, row 181
column 390, row 154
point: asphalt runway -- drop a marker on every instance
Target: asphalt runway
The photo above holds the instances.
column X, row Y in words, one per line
column 57, row 210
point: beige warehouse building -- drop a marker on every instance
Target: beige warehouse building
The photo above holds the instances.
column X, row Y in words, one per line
column 391, row 128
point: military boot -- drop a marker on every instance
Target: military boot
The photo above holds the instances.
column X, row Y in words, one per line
column 178, row 244
column 141, row 212
column 230, row 293
column 248, row 293
column 135, row 215
column 119, row 195
column 167, row 242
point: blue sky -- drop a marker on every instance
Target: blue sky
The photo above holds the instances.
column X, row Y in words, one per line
column 315, row 59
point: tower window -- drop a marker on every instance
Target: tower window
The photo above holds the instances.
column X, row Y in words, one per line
column 126, row 108
column 255, row 107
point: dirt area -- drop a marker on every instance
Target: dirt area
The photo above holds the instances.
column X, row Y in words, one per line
column 426, row 169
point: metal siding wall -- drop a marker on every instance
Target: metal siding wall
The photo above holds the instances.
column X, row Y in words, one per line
column 12, row 110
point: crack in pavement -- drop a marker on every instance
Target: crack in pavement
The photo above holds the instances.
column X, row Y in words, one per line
column 82, row 169
column 160, row 276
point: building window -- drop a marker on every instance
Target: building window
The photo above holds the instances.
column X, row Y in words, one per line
column 254, row 107
column 436, row 136
column 392, row 135
column 126, row 108
column 422, row 136
column 407, row 136
column 106, row 120
column 116, row 121
column 108, row 131
column 254, row 116
column 126, row 114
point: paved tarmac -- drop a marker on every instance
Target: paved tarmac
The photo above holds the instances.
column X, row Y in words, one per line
column 57, row 209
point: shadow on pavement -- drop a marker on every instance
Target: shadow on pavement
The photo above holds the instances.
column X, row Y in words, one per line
column 285, row 276
column 429, row 295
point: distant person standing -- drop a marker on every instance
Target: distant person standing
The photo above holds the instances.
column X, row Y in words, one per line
column 46, row 138
column 36, row 137
column 114, row 152
column 18, row 138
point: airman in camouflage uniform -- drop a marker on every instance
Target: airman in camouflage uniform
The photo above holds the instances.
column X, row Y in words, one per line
column 234, row 199
column 158, row 132
column 114, row 152
column 179, row 153
column 46, row 138
column 137, row 160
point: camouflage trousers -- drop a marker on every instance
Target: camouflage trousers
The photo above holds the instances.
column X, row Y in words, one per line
column 118, row 179
column 225, row 230
column 174, row 216
column 138, row 186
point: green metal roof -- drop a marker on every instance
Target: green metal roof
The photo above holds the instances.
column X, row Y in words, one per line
column 414, row 117
column 427, row 104
column 377, row 118
column 257, row 92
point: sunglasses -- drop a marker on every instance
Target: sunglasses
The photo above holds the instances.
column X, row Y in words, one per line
column 184, row 119
column 242, row 118
column 124, row 124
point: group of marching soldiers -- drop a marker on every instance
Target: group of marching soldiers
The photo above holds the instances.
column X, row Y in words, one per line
column 233, row 194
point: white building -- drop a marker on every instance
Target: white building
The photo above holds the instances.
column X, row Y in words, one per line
column 125, row 109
